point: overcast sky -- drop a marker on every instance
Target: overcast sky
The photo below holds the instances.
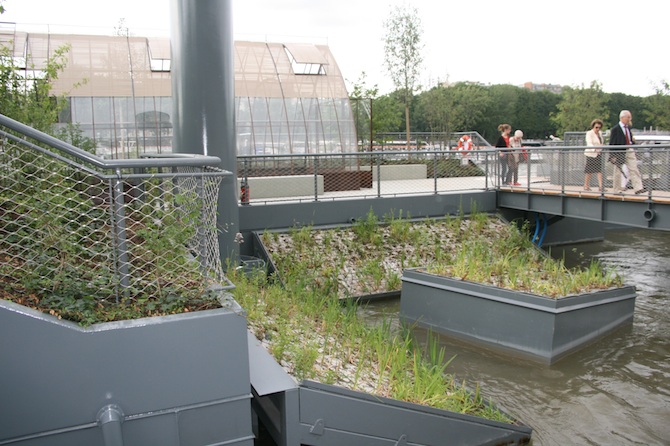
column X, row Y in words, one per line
column 571, row 42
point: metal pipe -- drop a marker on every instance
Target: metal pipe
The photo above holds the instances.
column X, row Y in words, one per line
column 110, row 419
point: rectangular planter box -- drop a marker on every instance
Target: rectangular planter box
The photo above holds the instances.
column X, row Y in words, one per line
column 331, row 415
column 171, row 380
column 537, row 327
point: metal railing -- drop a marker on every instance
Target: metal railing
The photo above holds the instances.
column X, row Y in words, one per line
column 546, row 169
column 75, row 225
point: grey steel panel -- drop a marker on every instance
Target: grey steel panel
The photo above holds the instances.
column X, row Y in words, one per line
column 635, row 213
column 539, row 328
column 331, row 415
column 587, row 209
column 277, row 216
column 279, row 413
column 63, row 374
column 267, row 376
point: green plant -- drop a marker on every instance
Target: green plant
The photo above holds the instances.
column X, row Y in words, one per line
column 315, row 336
column 370, row 257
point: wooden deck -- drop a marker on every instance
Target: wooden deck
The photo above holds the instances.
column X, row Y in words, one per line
column 656, row 196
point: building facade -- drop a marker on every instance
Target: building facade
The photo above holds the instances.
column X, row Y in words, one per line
column 290, row 98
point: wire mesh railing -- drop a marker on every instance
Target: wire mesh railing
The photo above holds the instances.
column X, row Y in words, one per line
column 76, row 226
column 317, row 177
column 545, row 169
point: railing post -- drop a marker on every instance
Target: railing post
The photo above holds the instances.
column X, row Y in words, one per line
column 486, row 171
column 201, row 233
column 122, row 267
column 316, row 178
column 435, row 172
column 563, row 169
column 528, row 154
column 379, row 176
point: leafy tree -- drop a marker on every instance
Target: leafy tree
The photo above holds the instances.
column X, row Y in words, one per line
column 434, row 106
column 25, row 91
column 658, row 107
column 620, row 101
column 532, row 113
column 387, row 113
column 501, row 108
column 361, row 102
column 579, row 106
column 468, row 103
column 402, row 49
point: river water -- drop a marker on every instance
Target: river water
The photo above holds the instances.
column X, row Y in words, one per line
column 615, row 391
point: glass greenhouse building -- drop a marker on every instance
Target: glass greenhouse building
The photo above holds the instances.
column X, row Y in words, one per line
column 289, row 98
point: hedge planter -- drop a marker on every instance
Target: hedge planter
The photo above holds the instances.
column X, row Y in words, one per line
column 541, row 328
column 171, row 380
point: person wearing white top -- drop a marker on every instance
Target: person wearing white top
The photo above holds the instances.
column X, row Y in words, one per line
column 594, row 162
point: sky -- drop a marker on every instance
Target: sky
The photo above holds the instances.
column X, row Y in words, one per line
column 621, row 45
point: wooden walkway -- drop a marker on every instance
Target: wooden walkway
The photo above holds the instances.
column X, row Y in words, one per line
column 656, row 196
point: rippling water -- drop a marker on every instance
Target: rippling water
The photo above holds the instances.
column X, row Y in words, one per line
column 615, row 391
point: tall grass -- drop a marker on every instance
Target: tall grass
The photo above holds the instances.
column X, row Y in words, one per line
column 370, row 256
column 314, row 336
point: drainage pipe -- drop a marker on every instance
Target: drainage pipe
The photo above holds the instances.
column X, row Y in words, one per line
column 110, row 418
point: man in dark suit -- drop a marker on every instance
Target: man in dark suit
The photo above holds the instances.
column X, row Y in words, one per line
column 620, row 135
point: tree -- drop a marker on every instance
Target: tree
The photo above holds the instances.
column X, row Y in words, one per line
column 579, row 106
column 658, row 107
column 621, row 101
column 25, row 90
column 468, row 104
column 532, row 113
column 361, row 102
column 435, row 108
column 502, row 108
column 387, row 114
column 402, row 49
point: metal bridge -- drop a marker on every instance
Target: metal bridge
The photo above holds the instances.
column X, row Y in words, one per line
column 550, row 181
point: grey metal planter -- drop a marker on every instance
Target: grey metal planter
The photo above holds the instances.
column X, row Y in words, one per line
column 318, row 414
column 173, row 380
column 537, row 327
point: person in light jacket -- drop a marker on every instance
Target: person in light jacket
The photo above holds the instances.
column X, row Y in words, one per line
column 594, row 159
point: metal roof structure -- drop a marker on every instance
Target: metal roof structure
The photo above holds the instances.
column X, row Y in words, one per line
column 290, row 97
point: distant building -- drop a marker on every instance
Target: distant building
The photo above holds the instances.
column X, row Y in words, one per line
column 558, row 89
column 289, row 98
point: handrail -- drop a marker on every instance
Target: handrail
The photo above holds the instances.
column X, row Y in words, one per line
column 173, row 160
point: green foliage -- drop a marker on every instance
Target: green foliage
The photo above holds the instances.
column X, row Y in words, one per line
column 637, row 105
column 538, row 113
column 579, row 106
column 370, row 257
column 387, row 114
column 314, row 336
column 63, row 260
column 657, row 111
column 366, row 228
column 25, row 91
column 73, row 134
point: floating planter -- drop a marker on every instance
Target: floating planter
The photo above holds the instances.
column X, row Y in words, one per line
column 541, row 328
column 177, row 379
column 312, row 413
